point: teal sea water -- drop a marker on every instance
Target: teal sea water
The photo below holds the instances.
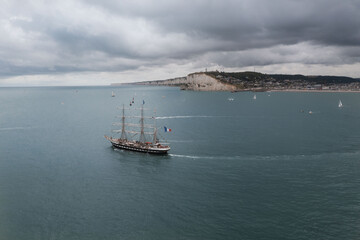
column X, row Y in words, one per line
column 242, row 169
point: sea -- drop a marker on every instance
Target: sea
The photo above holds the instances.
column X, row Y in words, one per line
column 283, row 166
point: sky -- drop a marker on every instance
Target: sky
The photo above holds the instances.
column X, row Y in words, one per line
column 98, row 42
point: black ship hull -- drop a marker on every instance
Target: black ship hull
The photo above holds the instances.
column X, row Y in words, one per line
column 138, row 149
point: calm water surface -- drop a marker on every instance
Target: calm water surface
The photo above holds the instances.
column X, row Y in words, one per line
column 242, row 169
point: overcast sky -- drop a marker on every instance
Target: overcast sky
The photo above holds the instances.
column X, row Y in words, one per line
column 98, row 42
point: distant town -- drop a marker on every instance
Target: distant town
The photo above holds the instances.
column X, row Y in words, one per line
column 254, row 81
column 259, row 81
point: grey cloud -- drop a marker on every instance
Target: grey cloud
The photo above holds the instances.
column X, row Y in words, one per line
column 251, row 23
column 112, row 35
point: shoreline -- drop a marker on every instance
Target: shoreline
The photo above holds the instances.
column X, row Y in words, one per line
column 315, row 91
column 251, row 90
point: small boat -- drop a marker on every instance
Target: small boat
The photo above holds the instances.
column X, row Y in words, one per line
column 310, row 112
column 112, row 94
column 340, row 104
column 254, row 97
column 231, row 99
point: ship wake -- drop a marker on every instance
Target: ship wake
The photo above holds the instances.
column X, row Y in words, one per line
column 183, row 117
column 16, row 128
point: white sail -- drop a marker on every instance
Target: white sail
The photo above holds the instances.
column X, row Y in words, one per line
column 254, row 97
column 112, row 94
column 340, row 104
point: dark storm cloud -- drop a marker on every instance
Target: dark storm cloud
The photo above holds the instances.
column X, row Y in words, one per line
column 251, row 23
column 118, row 35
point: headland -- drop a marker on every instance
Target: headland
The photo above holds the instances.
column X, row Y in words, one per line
column 259, row 82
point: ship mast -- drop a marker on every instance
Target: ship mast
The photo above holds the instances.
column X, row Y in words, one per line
column 142, row 134
column 123, row 133
column 155, row 130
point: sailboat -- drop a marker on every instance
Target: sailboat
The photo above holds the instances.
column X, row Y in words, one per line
column 129, row 130
column 112, row 94
column 254, row 97
column 340, row 104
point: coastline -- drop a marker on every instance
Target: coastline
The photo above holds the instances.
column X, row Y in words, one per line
column 252, row 90
column 258, row 82
column 315, row 91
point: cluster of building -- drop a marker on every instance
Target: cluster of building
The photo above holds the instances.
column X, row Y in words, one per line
column 262, row 82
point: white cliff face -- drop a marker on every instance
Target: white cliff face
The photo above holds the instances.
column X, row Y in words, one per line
column 203, row 82
column 196, row 82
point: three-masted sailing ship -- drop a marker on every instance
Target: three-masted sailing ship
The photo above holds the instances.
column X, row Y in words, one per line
column 142, row 129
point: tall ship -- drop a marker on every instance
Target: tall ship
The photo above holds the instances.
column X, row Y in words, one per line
column 139, row 137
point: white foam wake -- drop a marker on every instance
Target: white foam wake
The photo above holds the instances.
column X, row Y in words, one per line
column 180, row 141
column 189, row 156
column 200, row 116
column 206, row 157
column 15, row 128
column 274, row 157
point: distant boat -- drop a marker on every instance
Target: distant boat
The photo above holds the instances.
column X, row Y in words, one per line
column 230, row 99
column 310, row 112
column 254, row 97
column 112, row 94
column 340, row 104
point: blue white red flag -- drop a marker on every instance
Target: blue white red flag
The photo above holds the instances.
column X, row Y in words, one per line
column 167, row 129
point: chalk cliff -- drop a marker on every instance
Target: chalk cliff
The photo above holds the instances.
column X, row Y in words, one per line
column 194, row 81
column 204, row 82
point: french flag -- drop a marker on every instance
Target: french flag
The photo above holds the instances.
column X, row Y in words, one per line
column 167, row 129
